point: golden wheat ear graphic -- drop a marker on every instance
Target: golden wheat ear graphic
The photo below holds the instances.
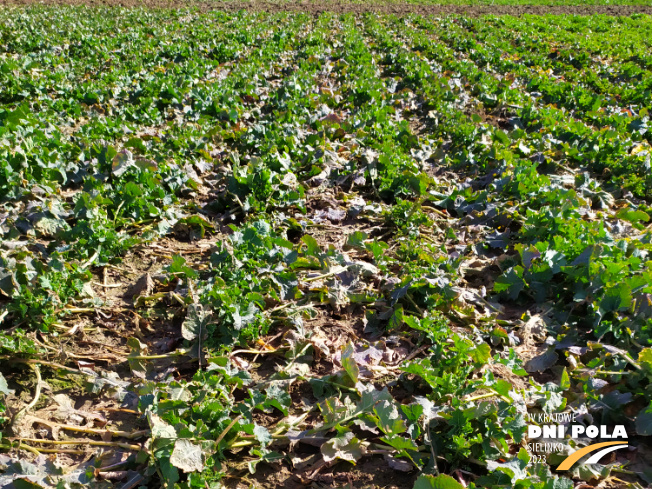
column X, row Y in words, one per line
column 609, row 446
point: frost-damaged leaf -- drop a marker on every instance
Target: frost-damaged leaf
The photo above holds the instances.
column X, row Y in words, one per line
column 231, row 374
column 312, row 247
column 498, row 240
column 399, row 293
column 263, row 435
column 304, row 437
column 241, row 320
column 333, row 215
column 565, row 382
column 401, row 443
column 645, row 359
column 633, row 216
column 389, row 419
column 110, row 382
column 187, row 456
column 4, row 388
column 515, row 468
column 49, row 226
column 344, row 447
column 277, row 397
column 265, row 456
column 288, row 284
column 587, row 472
column 549, row 397
column 43, row 472
column 357, row 239
column 191, row 228
column 68, row 413
column 349, row 364
column 644, row 422
column 334, row 411
column 160, row 429
column 122, row 162
column 442, row 481
column 542, row 362
column 510, row 282
column 370, row 396
column 398, row 464
column 194, row 326
column 137, row 365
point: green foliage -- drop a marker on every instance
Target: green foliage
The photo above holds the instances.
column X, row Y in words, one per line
column 487, row 178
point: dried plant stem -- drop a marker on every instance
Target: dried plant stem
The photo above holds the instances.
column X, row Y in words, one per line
column 131, row 435
column 227, row 429
column 39, row 451
column 487, row 395
column 37, row 395
column 92, row 258
column 176, row 353
column 35, row 451
column 79, row 310
column 33, row 361
column 93, row 443
column 108, row 286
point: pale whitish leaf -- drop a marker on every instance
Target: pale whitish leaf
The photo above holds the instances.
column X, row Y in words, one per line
column 524, row 149
column 4, row 388
column 363, row 269
column 87, row 291
column 430, row 410
column 44, row 472
column 241, row 320
column 587, row 472
column 262, row 435
column 400, row 443
column 122, row 161
column 398, row 464
column 187, row 456
column 109, row 382
column 264, row 456
column 515, row 468
column 288, row 284
column 277, row 397
column 333, row 410
column 47, row 226
column 357, row 238
column 194, row 323
column 160, row 429
column 370, row 396
column 345, row 447
column 388, row 418
column 66, row 411
column 333, row 215
column 305, row 437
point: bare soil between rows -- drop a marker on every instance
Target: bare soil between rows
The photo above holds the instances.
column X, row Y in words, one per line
column 341, row 7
